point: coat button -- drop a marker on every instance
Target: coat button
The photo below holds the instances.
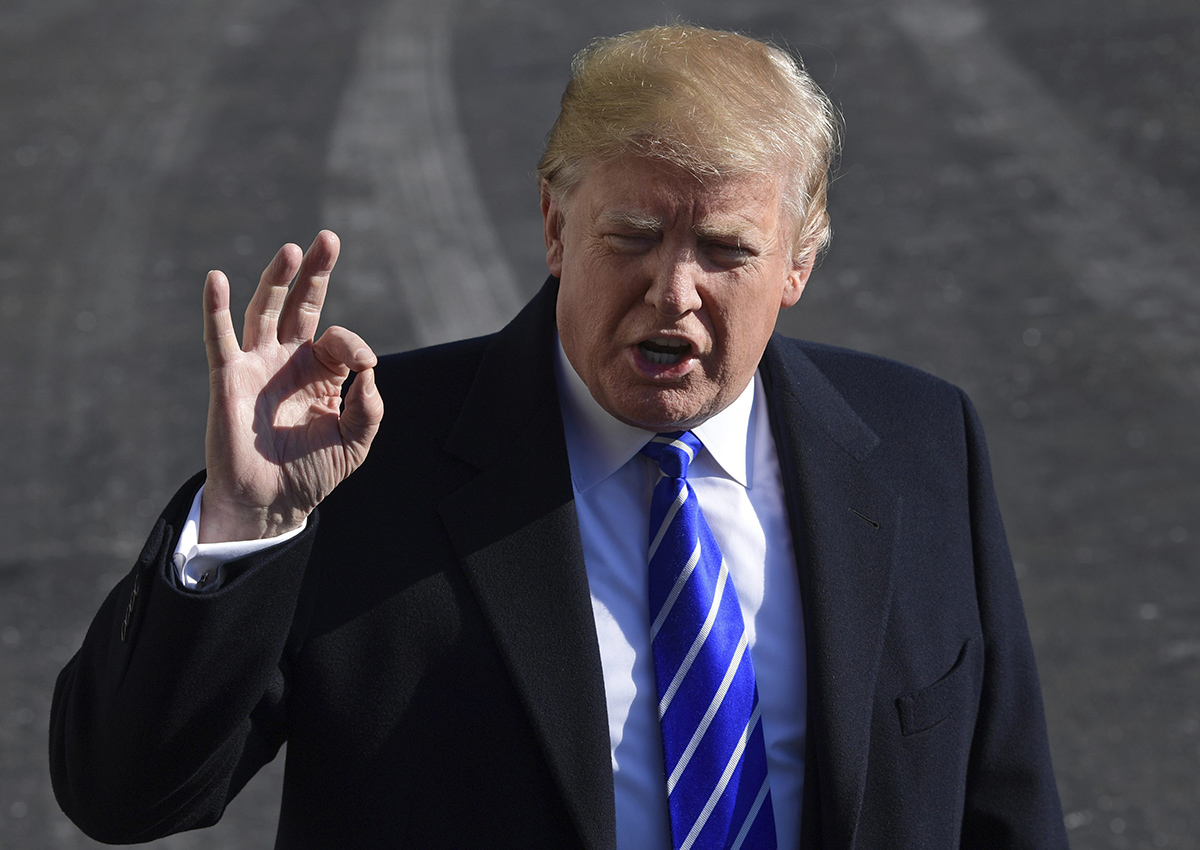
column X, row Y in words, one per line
column 129, row 608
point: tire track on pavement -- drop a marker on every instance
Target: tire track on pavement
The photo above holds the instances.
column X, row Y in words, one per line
column 1131, row 255
column 421, row 261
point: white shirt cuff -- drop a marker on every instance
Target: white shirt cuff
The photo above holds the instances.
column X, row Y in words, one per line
column 198, row 565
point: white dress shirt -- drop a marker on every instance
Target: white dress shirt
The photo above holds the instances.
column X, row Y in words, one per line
column 739, row 486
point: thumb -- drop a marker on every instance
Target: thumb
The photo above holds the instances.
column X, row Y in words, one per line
column 361, row 415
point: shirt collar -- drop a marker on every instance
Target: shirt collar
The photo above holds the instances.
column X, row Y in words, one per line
column 599, row 444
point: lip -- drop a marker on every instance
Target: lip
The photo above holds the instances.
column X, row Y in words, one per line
column 663, row 372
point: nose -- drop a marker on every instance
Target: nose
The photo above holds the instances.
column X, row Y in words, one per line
column 673, row 290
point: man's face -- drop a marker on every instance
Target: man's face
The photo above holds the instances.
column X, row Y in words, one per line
column 670, row 287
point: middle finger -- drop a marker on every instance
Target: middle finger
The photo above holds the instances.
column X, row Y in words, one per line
column 302, row 309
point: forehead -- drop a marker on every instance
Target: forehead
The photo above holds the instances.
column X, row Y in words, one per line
column 640, row 188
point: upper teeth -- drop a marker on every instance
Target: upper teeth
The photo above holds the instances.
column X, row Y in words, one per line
column 675, row 352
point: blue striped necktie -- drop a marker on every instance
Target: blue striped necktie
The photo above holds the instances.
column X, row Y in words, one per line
column 716, row 762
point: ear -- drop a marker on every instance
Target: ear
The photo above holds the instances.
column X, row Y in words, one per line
column 793, row 287
column 552, row 224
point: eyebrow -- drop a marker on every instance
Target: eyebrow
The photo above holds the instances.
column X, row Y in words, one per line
column 633, row 221
column 743, row 237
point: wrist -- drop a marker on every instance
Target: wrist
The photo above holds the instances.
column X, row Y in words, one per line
column 224, row 521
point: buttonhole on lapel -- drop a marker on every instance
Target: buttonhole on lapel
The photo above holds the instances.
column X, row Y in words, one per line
column 873, row 523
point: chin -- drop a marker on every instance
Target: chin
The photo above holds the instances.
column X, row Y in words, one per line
column 660, row 413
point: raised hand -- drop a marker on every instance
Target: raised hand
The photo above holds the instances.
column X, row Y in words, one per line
column 276, row 444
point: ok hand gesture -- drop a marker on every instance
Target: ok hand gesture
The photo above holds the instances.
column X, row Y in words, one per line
column 278, row 438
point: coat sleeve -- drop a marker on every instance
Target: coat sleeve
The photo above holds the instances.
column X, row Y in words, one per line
column 1011, row 797
column 175, row 698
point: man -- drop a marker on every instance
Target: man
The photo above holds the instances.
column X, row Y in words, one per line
column 470, row 642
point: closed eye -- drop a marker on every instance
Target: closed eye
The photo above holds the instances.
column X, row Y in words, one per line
column 631, row 243
column 729, row 255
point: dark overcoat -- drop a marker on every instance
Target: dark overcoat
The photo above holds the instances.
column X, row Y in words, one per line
column 427, row 648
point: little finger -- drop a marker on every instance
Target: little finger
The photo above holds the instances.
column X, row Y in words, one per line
column 220, row 338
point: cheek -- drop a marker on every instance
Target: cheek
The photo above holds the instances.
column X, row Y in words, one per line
column 577, row 304
column 578, row 326
column 608, row 298
column 742, row 325
column 567, row 311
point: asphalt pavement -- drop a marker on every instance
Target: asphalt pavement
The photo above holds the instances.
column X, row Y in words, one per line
column 1017, row 209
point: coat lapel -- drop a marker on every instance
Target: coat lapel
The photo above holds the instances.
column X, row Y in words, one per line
column 844, row 522
column 515, row 530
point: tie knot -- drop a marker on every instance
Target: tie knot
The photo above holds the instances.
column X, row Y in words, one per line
column 673, row 452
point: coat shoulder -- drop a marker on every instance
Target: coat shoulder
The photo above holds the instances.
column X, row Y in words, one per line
column 885, row 393
column 859, row 372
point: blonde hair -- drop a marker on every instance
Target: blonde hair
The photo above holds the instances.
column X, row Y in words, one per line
column 715, row 103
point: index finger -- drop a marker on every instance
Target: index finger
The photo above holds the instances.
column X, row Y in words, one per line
column 302, row 309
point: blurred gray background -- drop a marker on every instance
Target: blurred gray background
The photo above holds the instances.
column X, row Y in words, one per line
column 1017, row 210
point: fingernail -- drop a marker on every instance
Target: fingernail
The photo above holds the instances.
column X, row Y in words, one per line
column 368, row 379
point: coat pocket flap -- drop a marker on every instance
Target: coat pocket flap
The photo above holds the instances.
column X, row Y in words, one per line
column 931, row 705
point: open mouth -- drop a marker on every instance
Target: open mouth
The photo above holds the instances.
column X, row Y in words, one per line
column 664, row 352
